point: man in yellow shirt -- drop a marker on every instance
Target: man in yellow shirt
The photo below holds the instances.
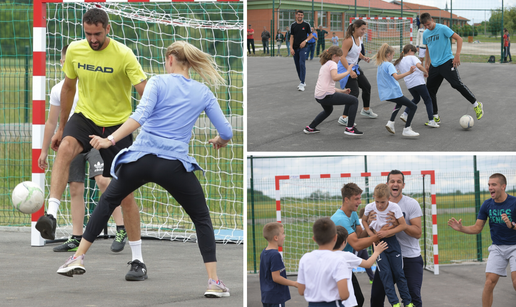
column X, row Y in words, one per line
column 106, row 70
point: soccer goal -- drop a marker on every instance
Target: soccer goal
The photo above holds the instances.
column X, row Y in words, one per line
column 148, row 28
column 395, row 31
column 302, row 199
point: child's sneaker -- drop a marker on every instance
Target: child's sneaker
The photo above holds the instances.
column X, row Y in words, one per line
column 70, row 245
column 216, row 289
column 390, row 127
column 369, row 113
column 437, row 119
column 72, row 266
column 396, row 305
column 410, row 305
column 404, row 117
column 309, row 130
column 408, row 132
column 432, row 124
column 344, row 121
column 353, row 131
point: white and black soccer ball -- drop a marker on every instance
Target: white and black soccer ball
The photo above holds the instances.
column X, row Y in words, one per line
column 466, row 122
column 27, row 197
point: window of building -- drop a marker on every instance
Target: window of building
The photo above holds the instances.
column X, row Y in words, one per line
column 322, row 19
column 336, row 22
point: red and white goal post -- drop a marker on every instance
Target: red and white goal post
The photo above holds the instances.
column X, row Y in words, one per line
column 215, row 27
column 302, row 199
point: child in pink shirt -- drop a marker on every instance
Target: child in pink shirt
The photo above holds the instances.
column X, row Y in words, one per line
column 328, row 96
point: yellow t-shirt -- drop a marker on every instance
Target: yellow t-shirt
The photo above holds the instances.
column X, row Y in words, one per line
column 105, row 79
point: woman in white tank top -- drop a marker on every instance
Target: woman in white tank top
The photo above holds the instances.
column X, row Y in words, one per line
column 352, row 47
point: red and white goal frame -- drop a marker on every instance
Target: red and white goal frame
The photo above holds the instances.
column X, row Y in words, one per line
column 39, row 90
column 431, row 173
column 410, row 19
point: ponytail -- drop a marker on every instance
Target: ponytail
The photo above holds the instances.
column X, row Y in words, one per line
column 384, row 50
column 201, row 62
column 328, row 54
column 406, row 49
column 352, row 27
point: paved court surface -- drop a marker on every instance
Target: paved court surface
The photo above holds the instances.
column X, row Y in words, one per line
column 176, row 275
column 278, row 112
column 456, row 285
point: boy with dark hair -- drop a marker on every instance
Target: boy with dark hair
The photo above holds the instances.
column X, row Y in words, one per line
column 441, row 64
column 323, row 275
column 273, row 276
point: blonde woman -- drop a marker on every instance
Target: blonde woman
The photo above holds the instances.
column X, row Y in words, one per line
column 170, row 105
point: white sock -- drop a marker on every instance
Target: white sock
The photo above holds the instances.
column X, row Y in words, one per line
column 53, row 206
column 136, row 249
column 475, row 104
column 436, row 115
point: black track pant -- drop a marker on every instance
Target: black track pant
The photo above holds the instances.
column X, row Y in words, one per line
column 451, row 74
column 171, row 175
column 360, row 82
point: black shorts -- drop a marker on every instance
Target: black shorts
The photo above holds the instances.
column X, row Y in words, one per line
column 80, row 128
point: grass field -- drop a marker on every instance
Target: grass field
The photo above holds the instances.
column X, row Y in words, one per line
column 453, row 246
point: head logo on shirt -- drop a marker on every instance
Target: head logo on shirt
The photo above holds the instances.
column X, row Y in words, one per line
column 303, row 28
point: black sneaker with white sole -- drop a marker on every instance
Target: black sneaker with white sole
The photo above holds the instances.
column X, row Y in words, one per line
column 46, row 225
column 353, row 131
column 309, row 130
column 137, row 272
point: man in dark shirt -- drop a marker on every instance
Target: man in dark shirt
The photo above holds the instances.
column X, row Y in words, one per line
column 300, row 34
column 321, row 36
column 265, row 39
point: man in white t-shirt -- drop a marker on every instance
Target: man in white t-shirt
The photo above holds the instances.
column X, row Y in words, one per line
column 76, row 175
column 408, row 240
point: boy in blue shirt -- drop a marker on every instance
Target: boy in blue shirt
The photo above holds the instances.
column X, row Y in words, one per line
column 441, row 64
column 499, row 208
column 273, row 276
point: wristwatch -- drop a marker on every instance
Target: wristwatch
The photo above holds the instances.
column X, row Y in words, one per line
column 513, row 225
column 112, row 139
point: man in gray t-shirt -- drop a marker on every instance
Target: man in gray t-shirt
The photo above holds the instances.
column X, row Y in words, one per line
column 409, row 242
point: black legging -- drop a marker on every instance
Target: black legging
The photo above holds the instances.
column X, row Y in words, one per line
column 403, row 101
column 360, row 82
column 329, row 101
column 171, row 175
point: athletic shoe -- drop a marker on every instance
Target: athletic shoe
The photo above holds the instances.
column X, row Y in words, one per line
column 72, row 266
column 390, row 127
column 301, row 87
column 479, row 110
column 408, row 132
column 353, row 131
column 344, row 121
column 370, row 282
column 369, row 113
column 46, row 225
column 410, row 305
column 216, row 289
column 432, row 124
column 309, row 130
column 119, row 242
column 437, row 119
column 137, row 272
column 70, row 245
column 396, row 305
column 404, row 117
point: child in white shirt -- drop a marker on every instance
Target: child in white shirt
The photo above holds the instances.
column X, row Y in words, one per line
column 390, row 262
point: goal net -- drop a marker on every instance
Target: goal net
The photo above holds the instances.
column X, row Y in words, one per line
column 301, row 200
column 395, row 31
column 148, row 29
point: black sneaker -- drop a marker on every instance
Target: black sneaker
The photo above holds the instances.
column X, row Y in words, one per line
column 69, row 246
column 309, row 130
column 137, row 272
column 119, row 242
column 46, row 225
column 353, row 131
